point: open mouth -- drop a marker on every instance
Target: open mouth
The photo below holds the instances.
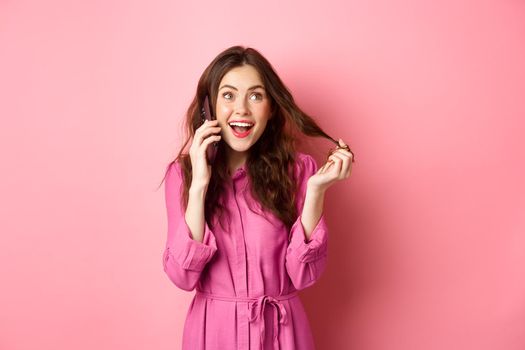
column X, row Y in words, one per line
column 241, row 129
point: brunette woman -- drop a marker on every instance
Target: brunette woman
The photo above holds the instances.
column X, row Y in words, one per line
column 246, row 228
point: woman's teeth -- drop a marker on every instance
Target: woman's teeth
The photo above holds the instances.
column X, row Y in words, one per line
column 241, row 127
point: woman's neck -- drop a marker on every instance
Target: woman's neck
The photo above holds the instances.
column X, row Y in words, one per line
column 236, row 160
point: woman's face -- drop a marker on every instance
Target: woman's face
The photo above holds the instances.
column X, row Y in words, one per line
column 242, row 98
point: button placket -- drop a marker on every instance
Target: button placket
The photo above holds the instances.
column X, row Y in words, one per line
column 241, row 279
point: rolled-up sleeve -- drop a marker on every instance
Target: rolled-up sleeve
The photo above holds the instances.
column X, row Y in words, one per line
column 184, row 258
column 306, row 260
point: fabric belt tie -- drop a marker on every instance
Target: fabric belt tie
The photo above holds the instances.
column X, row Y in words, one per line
column 257, row 307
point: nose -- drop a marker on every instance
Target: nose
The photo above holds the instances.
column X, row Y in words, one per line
column 241, row 106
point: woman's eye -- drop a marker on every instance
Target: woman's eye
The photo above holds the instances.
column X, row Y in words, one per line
column 227, row 95
column 256, row 96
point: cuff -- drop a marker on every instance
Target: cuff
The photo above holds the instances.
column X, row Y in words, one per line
column 313, row 249
column 189, row 253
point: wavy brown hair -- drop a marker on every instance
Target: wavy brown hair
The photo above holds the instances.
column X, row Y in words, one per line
column 271, row 160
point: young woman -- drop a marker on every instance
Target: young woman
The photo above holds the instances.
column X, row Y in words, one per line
column 247, row 230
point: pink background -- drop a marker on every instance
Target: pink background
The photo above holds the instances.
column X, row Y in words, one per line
column 427, row 236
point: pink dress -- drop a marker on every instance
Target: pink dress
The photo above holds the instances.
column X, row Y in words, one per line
column 246, row 280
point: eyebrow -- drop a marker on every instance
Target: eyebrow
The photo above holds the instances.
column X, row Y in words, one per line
column 234, row 88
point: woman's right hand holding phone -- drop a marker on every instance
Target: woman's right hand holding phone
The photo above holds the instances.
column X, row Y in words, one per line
column 207, row 133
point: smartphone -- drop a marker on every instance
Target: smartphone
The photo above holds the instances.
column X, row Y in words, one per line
column 206, row 114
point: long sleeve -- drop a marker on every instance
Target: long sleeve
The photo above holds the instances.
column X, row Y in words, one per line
column 306, row 260
column 184, row 258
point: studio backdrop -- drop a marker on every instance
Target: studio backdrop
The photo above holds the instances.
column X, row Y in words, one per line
column 426, row 246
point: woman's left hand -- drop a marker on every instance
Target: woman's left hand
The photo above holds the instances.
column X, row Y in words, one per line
column 337, row 167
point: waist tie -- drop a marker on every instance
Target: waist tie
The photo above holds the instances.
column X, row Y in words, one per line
column 256, row 308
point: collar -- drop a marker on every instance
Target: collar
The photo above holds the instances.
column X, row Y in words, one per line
column 240, row 172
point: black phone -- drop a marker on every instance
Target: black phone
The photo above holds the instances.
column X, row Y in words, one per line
column 206, row 114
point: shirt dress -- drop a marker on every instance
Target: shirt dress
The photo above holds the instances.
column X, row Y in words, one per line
column 246, row 281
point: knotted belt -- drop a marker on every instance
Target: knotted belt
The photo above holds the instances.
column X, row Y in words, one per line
column 257, row 307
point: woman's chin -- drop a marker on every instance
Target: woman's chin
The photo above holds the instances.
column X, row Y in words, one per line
column 241, row 146
column 240, row 149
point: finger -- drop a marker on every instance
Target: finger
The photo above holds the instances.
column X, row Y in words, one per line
column 330, row 166
column 209, row 140
column 326, row 166
column 202, row 126
column 343, row 152
column 344, row 148
column 351, row 155
column 322, row 169
column 334, row 165
column 207, row 123
column 346, row 166
column 348, row 154
column 208, row 143
column 211, row 130
column 343, row 163
column 338, row 162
